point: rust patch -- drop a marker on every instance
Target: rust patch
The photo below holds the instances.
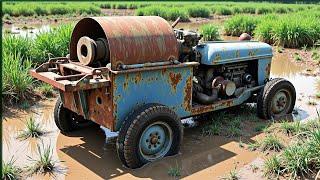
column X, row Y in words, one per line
column 138, row 78
column 216, row 59
column 163, row 71
column 188, row 94
column 268, row 68
column 174, row 80
column 126, row 82
column 212, row 107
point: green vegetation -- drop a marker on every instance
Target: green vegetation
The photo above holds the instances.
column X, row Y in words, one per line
column 174, row 171
column 198, row 11
column 17, row 84
column 20, row 54
column 44, row 9
column 260, row 127
column 210, row 32
column 33, row 129
column 291, row 128
column 271, row 142
column 46, row 90
column 253, row 146
column 170, row 14
column 44, row 163
column 212, row 129
column 272, row 166
column 239, row 24
column 10, row 171
column 302, row 156
column 232, row 175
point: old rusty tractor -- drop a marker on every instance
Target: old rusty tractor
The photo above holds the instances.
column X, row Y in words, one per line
column 138, row 76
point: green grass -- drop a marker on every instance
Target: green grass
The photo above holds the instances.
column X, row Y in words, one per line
column 210, row 32
column 272, row 166
column 20, row 54
column 222, row 10
column 198, row 11
column 53, row 43
column 10, row 171
column 212, row 129
column 170, row 14
column 174, row 171
column 232, row 175
column 292, row 30
column 291, row 128
column 32, row 130
column 44, row 163
column 302, row 157
column 53, row 8
column 296, row 160
column 239, row 24
column 253, row 146
column 260, row 127
column 17, row 83
column 46, row 90
column 271, row 143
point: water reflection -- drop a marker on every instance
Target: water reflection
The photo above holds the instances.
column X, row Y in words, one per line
column 30, row 33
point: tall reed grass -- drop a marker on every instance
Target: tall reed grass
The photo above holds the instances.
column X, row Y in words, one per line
column 294, row 30
column 210, row 32
column 22, row 53
column 239, row 24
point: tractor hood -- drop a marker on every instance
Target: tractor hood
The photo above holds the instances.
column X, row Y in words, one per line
column 222, row 52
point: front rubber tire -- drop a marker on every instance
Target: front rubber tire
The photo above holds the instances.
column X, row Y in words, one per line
column 266, row 107
column 131, row 134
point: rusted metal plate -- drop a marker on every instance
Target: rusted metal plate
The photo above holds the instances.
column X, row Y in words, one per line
column 131, row 39
column 98, row 103
column 169, row 85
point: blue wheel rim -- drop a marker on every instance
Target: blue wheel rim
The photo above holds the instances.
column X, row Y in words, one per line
column 155, row 141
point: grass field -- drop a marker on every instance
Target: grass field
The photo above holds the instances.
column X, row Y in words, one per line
column 190, row 8
column 292, row 30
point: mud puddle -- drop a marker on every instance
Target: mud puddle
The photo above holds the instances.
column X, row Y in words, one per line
column 86, row 155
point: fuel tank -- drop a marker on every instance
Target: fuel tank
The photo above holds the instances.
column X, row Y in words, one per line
column 123, row 40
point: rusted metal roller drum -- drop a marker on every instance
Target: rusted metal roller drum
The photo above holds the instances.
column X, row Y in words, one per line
column 123, row 41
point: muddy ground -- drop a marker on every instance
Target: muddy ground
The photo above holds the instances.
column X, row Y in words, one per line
column 85, row 155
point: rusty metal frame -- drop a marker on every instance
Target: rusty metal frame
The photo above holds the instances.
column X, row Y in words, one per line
column 53, row 72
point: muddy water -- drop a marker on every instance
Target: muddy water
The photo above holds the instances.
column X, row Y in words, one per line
column 306, row 86
column 85, row 155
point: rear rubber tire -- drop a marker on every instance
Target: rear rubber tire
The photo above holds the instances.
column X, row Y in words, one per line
column 130, row 134
column 63, row 118
column 264, row 102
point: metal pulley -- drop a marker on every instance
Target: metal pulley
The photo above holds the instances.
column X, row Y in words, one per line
column 89, row 50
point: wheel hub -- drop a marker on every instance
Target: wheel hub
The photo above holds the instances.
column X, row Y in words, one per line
column 279, row 102
column 155, row 140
